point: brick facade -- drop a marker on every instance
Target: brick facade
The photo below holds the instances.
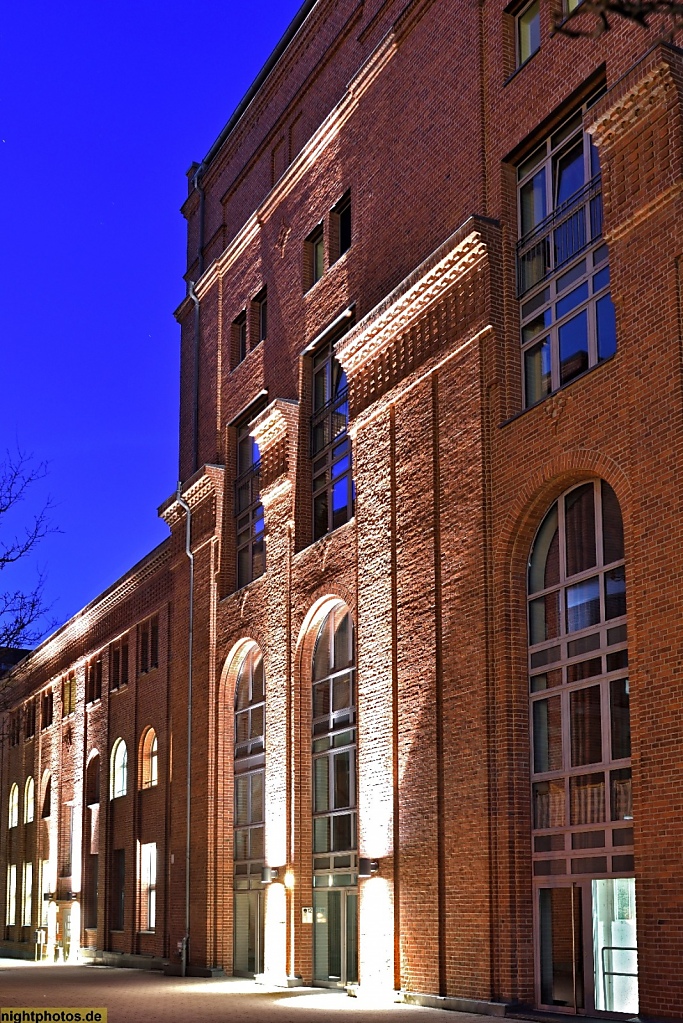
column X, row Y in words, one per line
column 416, row 110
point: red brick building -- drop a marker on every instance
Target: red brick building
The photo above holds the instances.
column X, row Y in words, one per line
column 415, row 628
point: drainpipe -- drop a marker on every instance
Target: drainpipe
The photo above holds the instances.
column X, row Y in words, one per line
column 195, row 382
column 190, row 640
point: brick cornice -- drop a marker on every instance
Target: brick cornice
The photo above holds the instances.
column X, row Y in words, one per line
column 207, row 481
column 633, row 97
column 275, row 431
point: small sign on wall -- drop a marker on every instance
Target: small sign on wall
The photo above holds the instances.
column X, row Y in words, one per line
column 307, row 914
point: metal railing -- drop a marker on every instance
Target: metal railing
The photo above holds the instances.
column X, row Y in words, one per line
column 329, row 422
column 248, row 488
column 564, row 234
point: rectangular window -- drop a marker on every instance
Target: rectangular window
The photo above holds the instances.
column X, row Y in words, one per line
column 90, row 891
column 148, row 886
column 46, row 709
column 118, row 889
column 333, row 487
column 259, row 317
column 528, row 32
column 93, row 686
column 14, row 728
column 340, row 228
column 239, row 339
column 11, row 907
column 46, row 890
column 66, row 839
column 27, row 896
column 30, row 710
column 118, row 664
column 567, row 316
column 148, row 640
column 68, row 695
column 314, row 257
column 249, row 520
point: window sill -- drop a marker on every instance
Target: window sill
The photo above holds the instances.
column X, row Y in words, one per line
column 553, row 394
column 520, row 67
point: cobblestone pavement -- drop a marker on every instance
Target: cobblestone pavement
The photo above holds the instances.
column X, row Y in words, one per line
column 136, row 996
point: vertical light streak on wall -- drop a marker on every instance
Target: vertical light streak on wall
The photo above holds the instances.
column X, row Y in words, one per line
column 394, row 702
column 75, row 943
column 275, row 938
column 377, row 936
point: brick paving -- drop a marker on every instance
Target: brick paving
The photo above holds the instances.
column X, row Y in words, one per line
column 149, row 997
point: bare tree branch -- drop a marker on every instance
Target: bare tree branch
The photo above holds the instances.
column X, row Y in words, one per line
column 21, row 613
column 594, row 17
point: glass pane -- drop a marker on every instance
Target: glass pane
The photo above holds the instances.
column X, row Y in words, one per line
column 321, row 700
column 242, row 800
column 321, row 658
column 615, row 593
column 544, row 618
column 546, row 681
column 257, row 850
column 320, row 515
column 529, row 32
column 561, row 951
column 615, row 956
column 548, row 843
column 342, row 794
column 258, row 681
column 257, row 808
column 321, row 834
column 341, row 693
column 583, row 604
column 606, row 327
column 242, row 844
column 321, row 784
column 241, row 727
column 570, row 301
column 573, row 337
column 620, row 718
column 547, row 735
column 537, row 375
column 569, row 173
column 256, row 728
column 341, row 511
column 549, row 805
column 533, row 202
column 342, row 832
column 586, row 726
column 243, row 567
column 544, row 564
column 612, row 525
column 620, row 795
column 584, row 669
column 588, row 840
column 343, row 644
column 580, row 529
column 351, row 937
column 587, row 799
column 536, row 326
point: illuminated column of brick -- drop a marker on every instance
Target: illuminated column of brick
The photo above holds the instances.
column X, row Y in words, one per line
column 275, row 433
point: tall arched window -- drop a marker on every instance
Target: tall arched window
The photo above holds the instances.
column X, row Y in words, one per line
column 47, row 796
column 580, row 753
column 29, row 800
column 119, row 770
column 14, row 805
column 249, row 829
column 335, row 863
column 150, row 760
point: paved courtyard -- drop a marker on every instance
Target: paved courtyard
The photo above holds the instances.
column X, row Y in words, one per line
column 148, row 997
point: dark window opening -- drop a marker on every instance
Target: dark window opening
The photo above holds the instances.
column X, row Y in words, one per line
column 333, row 487
column 249, row 520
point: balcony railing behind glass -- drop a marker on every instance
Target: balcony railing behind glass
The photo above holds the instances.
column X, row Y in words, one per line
column 247, row 488
column 329, row 422
column 570, row 229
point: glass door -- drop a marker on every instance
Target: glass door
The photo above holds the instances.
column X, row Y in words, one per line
column 249, row 919
column 586, row 958
column 335, row 937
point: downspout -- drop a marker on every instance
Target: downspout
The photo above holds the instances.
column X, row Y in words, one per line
column 191, row 292
column 190, row 641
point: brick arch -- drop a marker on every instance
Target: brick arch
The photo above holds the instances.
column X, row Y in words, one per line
column 543, row 487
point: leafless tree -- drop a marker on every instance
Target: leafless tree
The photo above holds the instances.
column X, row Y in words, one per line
column 21, row 612
column 593, row 17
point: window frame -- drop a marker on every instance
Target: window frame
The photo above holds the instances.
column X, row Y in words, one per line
column 148, row 886
column 314, row 256
column 520, row 61
column 118, row 785
column 249, row 772
column 29, row 800
column 13, row 807
column 149, row 759
column 330, row 443
column 248, row 511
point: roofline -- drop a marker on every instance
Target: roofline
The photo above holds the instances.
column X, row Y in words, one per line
column 291, row 30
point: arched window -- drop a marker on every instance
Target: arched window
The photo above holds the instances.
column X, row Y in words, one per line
column 119, row 770
column 150, row 771
column 249, row 826
column 92, row 780
column 335, row 863
column 47, row 796
column 14, row 806
column 581, row 741
column 29, row 800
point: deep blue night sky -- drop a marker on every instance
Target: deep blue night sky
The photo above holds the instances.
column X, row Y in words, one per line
column 104, row 108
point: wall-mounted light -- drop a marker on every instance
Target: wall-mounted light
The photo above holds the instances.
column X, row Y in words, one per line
column 367, row 867
column 289, row 879
column 269, row 874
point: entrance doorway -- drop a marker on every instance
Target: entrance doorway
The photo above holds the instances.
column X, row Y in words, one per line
column 335, row 936
column 586, row 957
column 249, row 930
